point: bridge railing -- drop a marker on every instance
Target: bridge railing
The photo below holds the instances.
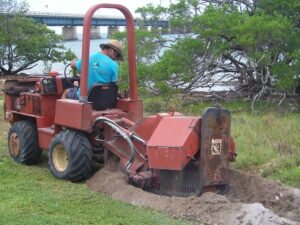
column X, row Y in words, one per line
column 72, row 19
column 73, row 15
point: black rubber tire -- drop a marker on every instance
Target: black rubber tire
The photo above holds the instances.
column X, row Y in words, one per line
column 222, row 189
column 28, row 150
column 79, row 156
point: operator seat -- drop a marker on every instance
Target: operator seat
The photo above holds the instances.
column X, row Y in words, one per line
column 103, row 96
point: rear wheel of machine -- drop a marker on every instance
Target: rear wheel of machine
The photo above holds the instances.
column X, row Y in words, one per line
column 23, row 144
column 70, row 156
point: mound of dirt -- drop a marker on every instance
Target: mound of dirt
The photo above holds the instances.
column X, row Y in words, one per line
column 251, row 200
column 273, row 195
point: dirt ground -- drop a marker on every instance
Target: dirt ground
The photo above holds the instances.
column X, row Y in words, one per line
column 251, row 200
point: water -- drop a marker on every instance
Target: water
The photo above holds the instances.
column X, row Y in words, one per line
column 76, row 47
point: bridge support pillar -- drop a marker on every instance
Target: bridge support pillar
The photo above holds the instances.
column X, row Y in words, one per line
column 95, row 33
column 111, row 30
column 69, row 33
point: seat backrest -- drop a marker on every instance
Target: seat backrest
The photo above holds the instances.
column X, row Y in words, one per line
column 103, row 96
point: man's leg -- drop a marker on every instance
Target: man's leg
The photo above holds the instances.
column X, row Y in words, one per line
column 70, row 93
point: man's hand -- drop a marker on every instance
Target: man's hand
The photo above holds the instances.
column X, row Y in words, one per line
column 76, row 83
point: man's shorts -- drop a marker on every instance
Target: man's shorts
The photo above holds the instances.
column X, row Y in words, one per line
column 72, row 93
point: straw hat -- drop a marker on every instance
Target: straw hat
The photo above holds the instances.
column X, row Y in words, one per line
column 116, row 45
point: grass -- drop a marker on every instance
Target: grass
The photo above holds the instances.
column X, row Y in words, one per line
column 31, row 195
column 269, row 144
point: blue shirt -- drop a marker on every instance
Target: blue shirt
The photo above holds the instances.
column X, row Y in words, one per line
column 102, row 69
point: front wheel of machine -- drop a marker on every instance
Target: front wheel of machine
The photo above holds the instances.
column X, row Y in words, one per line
column 22, row 142
column 70, row 156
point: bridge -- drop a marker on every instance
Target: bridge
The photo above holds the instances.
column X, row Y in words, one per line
column 69, row 22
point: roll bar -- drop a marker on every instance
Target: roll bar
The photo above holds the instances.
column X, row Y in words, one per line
column 87, row 23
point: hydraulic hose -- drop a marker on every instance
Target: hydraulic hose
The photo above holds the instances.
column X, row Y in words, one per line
column 113, row 125
column 65, row 70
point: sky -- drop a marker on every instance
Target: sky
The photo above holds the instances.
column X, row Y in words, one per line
column 81, row 6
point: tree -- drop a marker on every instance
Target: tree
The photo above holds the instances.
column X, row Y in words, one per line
column 13, row 7
column 23, row 42
column 249, row 42
column 148, row 47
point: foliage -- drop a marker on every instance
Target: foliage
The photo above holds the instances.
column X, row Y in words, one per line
column 151, row 43
column 289, row 9
column 13, row 6
column 254, row 44
column 23, row 42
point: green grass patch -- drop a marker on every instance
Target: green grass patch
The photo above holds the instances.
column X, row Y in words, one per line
column 268, row 143
column 30, row 195
column 290, row 176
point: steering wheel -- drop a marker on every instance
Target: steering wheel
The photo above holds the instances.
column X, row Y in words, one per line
column 71, row 75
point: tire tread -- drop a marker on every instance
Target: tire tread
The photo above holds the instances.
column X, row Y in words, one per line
column 80, row 156
column 30, row 153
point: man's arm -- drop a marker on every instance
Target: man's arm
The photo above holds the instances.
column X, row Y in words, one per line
column 73, row 64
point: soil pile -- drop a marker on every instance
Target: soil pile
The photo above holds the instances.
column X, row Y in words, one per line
column 246, row 188
column 251, row 200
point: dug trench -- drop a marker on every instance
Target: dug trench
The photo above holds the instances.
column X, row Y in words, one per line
column 250, row 200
